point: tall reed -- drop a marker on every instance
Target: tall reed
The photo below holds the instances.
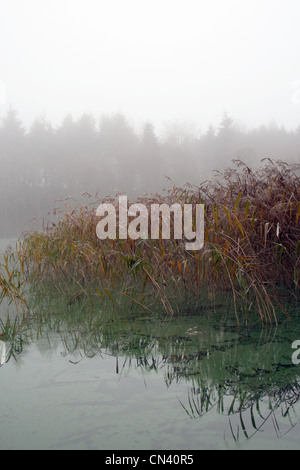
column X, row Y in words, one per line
column 252, row 247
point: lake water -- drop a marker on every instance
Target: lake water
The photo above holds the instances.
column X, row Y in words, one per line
column 83, row 378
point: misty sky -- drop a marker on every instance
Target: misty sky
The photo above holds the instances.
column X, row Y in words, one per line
column 157, row 60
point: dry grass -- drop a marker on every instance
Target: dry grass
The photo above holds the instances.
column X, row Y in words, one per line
column 252, row 247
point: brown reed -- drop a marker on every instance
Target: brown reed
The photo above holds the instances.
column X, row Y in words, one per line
column 252, row 246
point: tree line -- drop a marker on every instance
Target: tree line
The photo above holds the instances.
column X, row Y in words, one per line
column 44, row 163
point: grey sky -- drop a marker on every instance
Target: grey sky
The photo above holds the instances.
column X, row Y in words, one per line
column 159, row 60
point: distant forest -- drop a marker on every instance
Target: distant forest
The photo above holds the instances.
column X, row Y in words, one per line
column 107, row 155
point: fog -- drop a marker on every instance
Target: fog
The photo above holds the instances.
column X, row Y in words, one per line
column 106, row 96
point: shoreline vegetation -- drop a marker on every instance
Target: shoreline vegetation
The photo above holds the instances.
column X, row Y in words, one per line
column 251, row 251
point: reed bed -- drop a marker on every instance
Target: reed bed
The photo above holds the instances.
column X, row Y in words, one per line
column 12, row 279
column 251, row 250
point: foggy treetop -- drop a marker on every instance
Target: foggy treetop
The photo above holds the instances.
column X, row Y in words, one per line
column 107, row 154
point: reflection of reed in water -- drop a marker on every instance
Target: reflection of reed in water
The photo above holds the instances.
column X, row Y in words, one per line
column 248, row 407
column 2, row 353
column 218, row 363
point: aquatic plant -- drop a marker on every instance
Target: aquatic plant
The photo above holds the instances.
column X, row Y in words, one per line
column 252, row 247
column 12, row 279
column 247, row 377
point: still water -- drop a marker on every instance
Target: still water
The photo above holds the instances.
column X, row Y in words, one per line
column 85, row 378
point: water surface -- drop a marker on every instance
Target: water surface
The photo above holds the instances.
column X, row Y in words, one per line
column 75, row 378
